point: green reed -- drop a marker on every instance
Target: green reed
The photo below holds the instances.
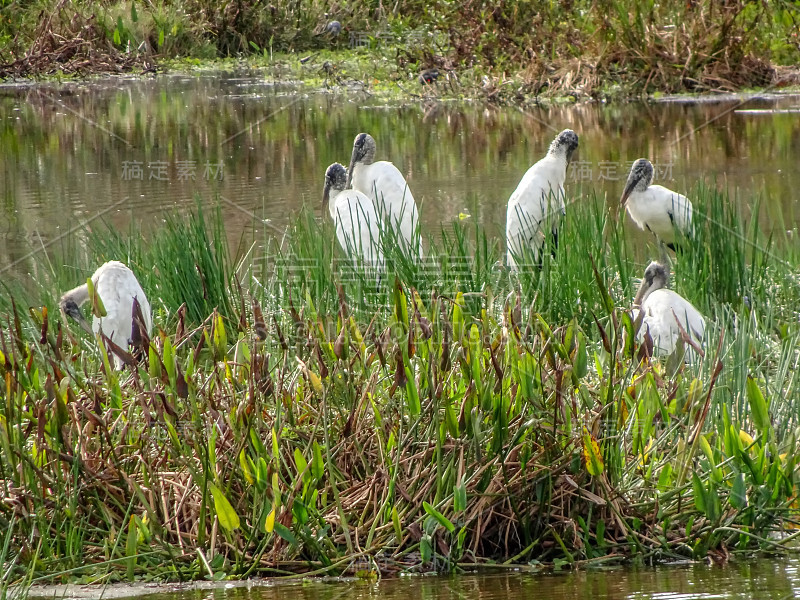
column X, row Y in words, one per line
column 448, row 415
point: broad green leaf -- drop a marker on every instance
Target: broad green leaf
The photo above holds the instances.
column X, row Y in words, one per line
column 412, row 397
column 301, row 464
column 299, row 511
column 276, row 489
column 285, row 533
column 425, row 549
column 245, row 468
column 665, row 478
column 155, row 363
column 225, row 512
column 699, row 493
column 262, row 474
column 440, row 518
column 759, row 411
column 169, row 360
column 275, row 447
column 220, row 338
column 460, row 497
column 269, row 523
column 130, row 547
column 738, row 497
column 580, row 361
column 398, row 531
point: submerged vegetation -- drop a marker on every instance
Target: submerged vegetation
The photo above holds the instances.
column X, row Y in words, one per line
column 291, row 416
column 508, row 51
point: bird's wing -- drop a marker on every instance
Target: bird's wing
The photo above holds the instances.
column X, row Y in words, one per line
column 689, row 317
column 663, row 310
column 357, row 227
column 117, row 286
column 677, row 207
column 384, row 183
column 538, row 195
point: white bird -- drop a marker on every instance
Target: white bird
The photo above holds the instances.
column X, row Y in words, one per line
column 357, row 222
column 537, row 205
column 385, row 185
column 117, row 286
column 663, row 309
column 654, row 207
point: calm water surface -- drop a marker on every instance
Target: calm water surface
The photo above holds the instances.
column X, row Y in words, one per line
column 762, row 579
column 127, row 152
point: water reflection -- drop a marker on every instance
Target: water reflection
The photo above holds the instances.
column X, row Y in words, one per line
column 72, row 151
column 763, row 579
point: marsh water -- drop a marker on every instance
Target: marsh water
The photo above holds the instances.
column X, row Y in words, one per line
column 126, row 152
column 761, row 579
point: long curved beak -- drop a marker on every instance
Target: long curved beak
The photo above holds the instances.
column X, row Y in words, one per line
column 571, row 155
column 637, row 301
column 353, row 157
column 629, row 186
column 74, row 312
column 326, row 195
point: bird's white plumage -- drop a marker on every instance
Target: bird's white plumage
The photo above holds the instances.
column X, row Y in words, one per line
column 537, row 205
column 117, row 286
column 655, row 208
column 382, row 182
column 663, row 310
column 357, row 226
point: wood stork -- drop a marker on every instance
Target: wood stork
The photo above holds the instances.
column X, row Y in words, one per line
column 357, row 223
column 537, row 204
column 654, row 207
column 663, row 309
column 385, row 185
column 117, row 286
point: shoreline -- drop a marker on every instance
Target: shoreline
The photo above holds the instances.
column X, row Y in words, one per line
column 302, row 74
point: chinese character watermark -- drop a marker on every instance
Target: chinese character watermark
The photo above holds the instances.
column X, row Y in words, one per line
column 162, row 170
column 584, row 170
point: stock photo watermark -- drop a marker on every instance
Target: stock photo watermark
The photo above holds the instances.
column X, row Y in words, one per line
column 179, row 170
column 587, row 171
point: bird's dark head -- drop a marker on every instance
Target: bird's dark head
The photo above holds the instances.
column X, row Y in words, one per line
column 639, row 179
column 335, row 179
column 656, row 276
column 565, row 144
column 70, row 308
column 363, row 152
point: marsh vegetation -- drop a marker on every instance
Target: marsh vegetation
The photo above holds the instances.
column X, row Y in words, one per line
column 291, row 416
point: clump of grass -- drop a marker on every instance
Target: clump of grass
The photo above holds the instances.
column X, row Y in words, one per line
column 503, row 54
column 440, row 419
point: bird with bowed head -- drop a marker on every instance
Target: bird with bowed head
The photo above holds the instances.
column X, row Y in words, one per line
column 117, row 287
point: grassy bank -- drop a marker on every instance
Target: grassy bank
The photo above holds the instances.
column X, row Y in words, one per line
column 506, row 52
column 291, row 416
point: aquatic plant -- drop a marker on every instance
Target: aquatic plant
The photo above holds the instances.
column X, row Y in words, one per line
column 451, row 416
